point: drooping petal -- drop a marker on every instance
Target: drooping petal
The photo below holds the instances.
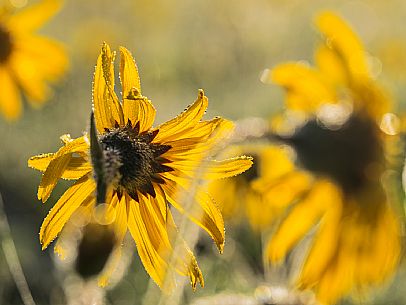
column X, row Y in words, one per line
column 64, row 208
column 51, row 176
column 58, row 164
column 34, row 16
column 184, row 259
column 302, row 217
column 148, row 234
column 171, row 129
column 10, row 101
column 206, row 213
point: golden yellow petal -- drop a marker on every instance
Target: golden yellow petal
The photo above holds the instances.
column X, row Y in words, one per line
column 48, row 55
column 330, row 64
column 281, row 192
column 211, row 169
column 29, row 76
column 341, row 38
column 174, row 128
column 225, row 193
column 106, row 106
column 58, row 165
column 301, row 219
column 128, row 74
column 41, row 162
column 324, row 247
column 51, row 176
column 64, row 208
column 206, row 213
column 139, row 109
column 307, row 84
column 34, row 16
column 273, row 162
column 184, row 259
column 10, row 101
column 146, row 237
column 76, row 168
column 226, row 168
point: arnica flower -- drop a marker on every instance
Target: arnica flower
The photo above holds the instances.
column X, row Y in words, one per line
column 139, row 172
column 337, row 189
column 28, row 61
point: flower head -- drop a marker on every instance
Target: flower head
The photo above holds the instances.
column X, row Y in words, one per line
column 27, row 60
column 136, row 171
column 342, row 157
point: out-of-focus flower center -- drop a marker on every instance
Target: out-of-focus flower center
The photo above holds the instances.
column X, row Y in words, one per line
column 132, row 161
column 6, row 44
column 351, row 155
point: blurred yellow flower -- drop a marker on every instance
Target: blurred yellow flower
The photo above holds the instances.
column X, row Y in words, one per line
column 139, row 171
column 342, row 152
column 28, row 61
column 248, row 195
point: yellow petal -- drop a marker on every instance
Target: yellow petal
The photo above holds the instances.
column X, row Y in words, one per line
column 64, row 208
column 10, row 102
column 34, row 16
column 205, row 213
column 307, row 84
column 51, row 176
column 30, row 77
column 281, row 192
column 139, row 109
column 331, row 65
column 188, row 119
column 343, row 40
column 324, row 247
column 58, row 164
column 49, row 56
column 301, row 219
column 224, row 191
column 147, row 235
column 40, row 162
column 128, row 73
column 183, row 257
column 106, row 106
column 211, row 169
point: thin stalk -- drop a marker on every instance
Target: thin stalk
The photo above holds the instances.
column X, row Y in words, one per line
column 12, row 260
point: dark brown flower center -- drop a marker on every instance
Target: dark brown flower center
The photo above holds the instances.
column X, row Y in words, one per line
column 6, row 44
column 351, row 155
column 133, row 163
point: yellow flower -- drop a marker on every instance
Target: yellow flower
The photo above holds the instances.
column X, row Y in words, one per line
column 139, row 170
column 343, row 157
column 27, row 60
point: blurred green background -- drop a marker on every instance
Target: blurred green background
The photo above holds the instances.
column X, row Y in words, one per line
column 180, row 46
